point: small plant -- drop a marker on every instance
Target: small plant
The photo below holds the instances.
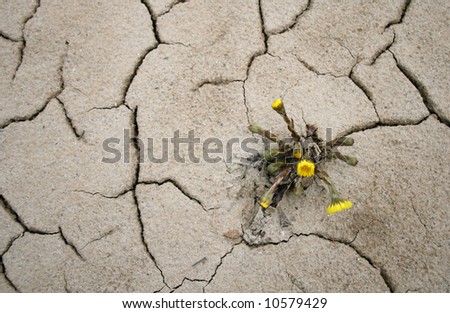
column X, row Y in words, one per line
column 297, row 160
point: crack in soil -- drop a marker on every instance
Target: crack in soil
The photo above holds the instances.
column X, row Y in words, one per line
column 137, row 147
column 10, row 244
column 358, row 83
column 354, row 57
column 188, row 279
column 106, row 234
column 383, row 273
column 263, row 27
column 171, row 7
column 17, row 218
column 399, row 19
column 161, row 289
column 30, row 117
column 6, row 37
column 218, row 81
column 137, row 66
column 135, row 198
column 247, row 110
column 70, row 244
column 295, row 21
column 55, row 95
column 221, row 81
column 97, row 193
column 311, row 68
column 220, row 264
column 133, row 75
column 180, row 187
column 5, row 274
column 3, row 267
column 253, row 57
column 23, row 40
column 387, row 280
column 22, row 47
column 12, row 213
column 383, row 49
column 418, row 217
column 66, row 284
column 26, row 229
column 144, row 242
column 131, row 78
column 362, row 128
column 154, row 20
column 421, row 88
column 295, row 282
column 69, row 120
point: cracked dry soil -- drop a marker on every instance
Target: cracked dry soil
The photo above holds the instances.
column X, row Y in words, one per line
column 75, row 73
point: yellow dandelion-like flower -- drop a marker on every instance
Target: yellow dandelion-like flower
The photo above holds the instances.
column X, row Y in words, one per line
column 305, row 168
column 278, row 105
column 338, row 205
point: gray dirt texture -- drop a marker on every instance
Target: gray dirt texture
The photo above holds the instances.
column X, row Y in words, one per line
column 79, row 77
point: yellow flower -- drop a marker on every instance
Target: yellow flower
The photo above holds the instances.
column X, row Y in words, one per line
column 265, row 202
column 297, row 153
column 305, row 168
column 278, row 105
column 338, row 205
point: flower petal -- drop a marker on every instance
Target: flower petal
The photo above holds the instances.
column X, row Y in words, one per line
column 338, row 205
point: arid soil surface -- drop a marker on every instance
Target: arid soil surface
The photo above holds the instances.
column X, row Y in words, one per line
column 95, row 93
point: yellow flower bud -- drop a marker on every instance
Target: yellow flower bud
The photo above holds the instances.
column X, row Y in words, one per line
column 266, row 200
column 277, row 105
column 297, row 153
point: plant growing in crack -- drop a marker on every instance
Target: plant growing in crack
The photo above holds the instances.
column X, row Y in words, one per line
column 296, row 160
